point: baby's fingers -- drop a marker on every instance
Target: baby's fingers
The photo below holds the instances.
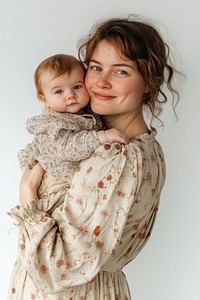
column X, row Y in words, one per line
column 123, row 138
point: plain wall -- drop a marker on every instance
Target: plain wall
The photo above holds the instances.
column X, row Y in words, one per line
column 168, row 268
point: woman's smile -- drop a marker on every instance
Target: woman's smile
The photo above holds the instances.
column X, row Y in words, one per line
column 102, row 96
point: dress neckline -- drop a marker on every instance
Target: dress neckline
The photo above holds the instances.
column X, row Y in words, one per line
column 146, row 135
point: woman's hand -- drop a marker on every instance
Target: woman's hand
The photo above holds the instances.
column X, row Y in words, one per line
column 29, row 184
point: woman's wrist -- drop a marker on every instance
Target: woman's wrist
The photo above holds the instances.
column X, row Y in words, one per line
column 27, row 195
column 30, row 183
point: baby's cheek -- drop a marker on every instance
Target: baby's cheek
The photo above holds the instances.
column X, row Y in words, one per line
column 87, row 81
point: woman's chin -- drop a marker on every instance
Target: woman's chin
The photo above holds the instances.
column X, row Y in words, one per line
column 101, row 109
column 97, row 109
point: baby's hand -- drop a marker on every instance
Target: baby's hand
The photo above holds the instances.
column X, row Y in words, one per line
column 112, row 135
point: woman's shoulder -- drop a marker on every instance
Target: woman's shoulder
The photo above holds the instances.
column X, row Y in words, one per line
column 146, row 140
column 150, row 135
column 139, row 143
column 143, row 149
column 147, row 145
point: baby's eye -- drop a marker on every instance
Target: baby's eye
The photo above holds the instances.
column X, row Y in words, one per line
column 77, row 87
column 59, row 92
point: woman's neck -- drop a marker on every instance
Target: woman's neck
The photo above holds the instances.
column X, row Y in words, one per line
column 132, row 125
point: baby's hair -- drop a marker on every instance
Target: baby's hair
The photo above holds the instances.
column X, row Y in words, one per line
column 142, row 43
column 57, row 64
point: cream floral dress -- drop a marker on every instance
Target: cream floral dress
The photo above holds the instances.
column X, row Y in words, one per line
column 78, row 252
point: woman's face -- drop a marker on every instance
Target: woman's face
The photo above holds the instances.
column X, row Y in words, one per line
column 115, row 85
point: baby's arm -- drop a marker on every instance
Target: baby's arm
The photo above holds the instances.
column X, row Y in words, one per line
column 81, row 145
column 112, row 135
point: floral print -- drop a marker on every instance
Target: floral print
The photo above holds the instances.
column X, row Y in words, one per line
column 61, row 141
column 79, row 251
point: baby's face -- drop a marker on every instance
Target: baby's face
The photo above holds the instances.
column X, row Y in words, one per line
column 65, row 93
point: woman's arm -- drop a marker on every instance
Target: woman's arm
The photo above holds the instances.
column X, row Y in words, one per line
column 71, row 247
column 30, row 182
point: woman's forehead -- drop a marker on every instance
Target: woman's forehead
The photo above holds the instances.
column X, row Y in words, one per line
column 109, row 49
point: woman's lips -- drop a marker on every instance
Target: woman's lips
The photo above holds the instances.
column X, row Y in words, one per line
column 101, row 96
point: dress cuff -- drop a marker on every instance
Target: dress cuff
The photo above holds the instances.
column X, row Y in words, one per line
column 27, row 212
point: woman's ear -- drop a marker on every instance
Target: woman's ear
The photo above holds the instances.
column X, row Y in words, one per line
column 147, row 89
column 43, row 99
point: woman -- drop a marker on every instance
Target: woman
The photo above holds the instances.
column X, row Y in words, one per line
column 79, row 251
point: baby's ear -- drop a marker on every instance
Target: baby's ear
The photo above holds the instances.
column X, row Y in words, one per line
column 43, row 99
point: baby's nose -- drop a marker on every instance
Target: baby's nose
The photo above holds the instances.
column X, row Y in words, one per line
column 70, row 95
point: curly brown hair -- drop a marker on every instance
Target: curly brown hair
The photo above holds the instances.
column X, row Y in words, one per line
column 141, row 42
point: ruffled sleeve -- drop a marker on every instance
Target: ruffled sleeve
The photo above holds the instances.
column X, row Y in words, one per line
column 83, row 235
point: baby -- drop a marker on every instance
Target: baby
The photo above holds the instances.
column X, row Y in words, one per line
column 66, row 132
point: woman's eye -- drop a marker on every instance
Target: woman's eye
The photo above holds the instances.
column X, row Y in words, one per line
column 95, row 68
column 59, row 92
column 122, row 72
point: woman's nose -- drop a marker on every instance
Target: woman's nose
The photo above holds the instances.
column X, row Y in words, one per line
column 104, row 82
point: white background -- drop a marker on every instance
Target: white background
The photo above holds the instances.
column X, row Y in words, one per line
column 168, row 268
